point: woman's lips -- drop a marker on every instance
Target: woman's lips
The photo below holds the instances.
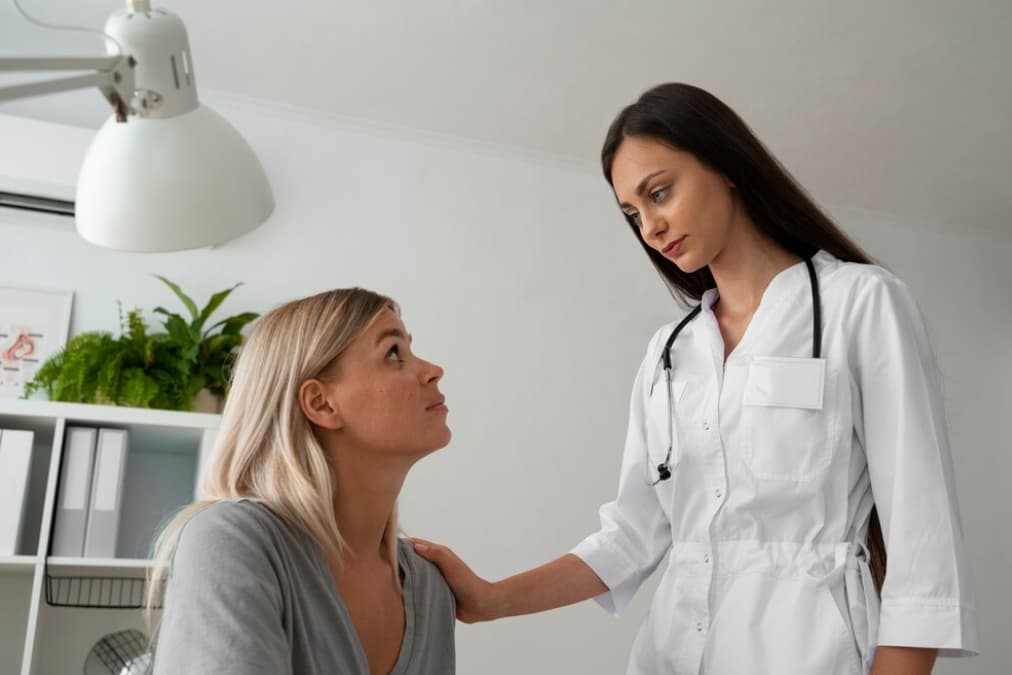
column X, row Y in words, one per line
column 675, row 247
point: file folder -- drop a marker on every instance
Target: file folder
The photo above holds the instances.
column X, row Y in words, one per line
column 106, row 494
column 73, row 499
column 15, row 463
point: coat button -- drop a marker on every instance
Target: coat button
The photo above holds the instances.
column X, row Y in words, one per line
column 706, row 426
column 718, row 492
column 706, row 558
column 699, row 627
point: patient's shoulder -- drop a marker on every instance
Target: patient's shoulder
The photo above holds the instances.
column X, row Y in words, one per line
column 230, row 531
column 428, row 582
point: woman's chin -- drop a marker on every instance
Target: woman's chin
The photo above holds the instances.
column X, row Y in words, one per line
column 688, row 264
column 448, row 436
column 438, row 440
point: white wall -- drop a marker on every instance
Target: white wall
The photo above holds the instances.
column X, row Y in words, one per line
column 519, row 277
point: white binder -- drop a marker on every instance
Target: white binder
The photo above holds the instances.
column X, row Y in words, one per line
column 106, row 494
column 15, row 462
column 73, row 499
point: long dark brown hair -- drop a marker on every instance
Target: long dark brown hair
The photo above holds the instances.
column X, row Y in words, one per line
column 691, row 119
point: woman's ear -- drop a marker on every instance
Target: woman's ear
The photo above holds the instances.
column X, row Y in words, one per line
column 318, row 405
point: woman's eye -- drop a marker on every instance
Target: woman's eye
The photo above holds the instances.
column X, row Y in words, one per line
column 634, row 218
column 659, row 195
column 394, row 354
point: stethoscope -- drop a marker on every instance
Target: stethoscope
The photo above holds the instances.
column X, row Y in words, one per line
column 664, row 468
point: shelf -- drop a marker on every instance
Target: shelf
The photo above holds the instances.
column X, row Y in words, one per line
column 97, row 566
column 107, row 414
column 55, row 608
column 15, row 564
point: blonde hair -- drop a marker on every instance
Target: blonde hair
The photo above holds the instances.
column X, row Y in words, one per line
column 266, row 450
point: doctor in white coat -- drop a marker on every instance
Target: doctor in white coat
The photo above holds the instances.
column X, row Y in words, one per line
column 787, row 450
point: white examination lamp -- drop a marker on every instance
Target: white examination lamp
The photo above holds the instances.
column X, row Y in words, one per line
column 176, row 175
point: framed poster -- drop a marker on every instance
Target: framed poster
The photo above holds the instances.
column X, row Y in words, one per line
column 34, row 325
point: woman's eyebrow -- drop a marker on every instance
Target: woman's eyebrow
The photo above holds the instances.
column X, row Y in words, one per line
column 393, row 332
column 641, row 188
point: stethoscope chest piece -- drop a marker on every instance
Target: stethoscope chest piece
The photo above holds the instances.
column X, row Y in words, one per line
column 663, row 471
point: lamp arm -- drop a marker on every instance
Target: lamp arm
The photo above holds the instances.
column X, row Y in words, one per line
column 114, row 77
column 24, row 63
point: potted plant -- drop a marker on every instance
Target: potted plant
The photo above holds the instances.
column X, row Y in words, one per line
column 183, row 367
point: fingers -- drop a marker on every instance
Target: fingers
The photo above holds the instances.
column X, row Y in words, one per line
column 426, row 549
column 416, row 542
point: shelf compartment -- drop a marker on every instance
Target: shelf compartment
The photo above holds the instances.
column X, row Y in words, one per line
column 66, row 635
column 162, row 467
column 17, row 564
column 44, row 434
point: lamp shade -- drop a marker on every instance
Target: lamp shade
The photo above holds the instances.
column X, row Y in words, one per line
column 170, row 184
column 176, row 175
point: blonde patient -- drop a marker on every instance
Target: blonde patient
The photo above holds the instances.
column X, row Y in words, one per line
column 291, row 562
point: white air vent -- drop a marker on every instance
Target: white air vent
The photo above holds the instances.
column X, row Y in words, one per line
column 38, row 171
column 56, row 207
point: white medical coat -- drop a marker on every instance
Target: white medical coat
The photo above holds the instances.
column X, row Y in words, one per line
column 767, row 508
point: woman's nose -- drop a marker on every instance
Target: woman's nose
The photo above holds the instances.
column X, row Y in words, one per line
column 431, row 373
column 653, row 226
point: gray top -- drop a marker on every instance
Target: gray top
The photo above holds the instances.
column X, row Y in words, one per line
column 250, row 595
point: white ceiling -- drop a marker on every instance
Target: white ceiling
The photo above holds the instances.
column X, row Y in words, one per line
column 899, row 108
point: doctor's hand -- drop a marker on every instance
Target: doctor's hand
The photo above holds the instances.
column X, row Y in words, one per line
column 474, row 594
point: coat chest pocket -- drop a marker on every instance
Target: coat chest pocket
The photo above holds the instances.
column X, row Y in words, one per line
column 789, row 410
column 662, row 422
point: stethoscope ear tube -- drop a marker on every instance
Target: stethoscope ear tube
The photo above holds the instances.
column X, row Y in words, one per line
column 816, row 311
column 666, row 354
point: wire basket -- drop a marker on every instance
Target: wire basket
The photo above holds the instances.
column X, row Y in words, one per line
column 97, row 592
column 122, row 653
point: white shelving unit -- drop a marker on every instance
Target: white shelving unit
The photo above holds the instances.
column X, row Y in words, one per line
column 165, row 452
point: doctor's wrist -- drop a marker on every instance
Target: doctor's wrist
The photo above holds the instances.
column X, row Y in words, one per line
column 494, row 602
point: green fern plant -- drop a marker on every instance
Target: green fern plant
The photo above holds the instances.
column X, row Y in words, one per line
column 143, row 369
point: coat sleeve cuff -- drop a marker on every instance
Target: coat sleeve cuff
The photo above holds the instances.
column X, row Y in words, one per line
column 614, row 568
column 919, row 622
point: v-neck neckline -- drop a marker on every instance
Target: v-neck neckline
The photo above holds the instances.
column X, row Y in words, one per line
column 407, row 597
column 762, row 310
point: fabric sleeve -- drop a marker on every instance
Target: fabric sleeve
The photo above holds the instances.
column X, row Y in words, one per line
column 434, row 646
column 635, row 534
column 928, row 595
column 223, row 605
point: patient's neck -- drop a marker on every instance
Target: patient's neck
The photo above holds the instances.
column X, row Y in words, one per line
column 366, row 490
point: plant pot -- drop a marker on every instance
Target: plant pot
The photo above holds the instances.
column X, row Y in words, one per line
column 206, row 402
